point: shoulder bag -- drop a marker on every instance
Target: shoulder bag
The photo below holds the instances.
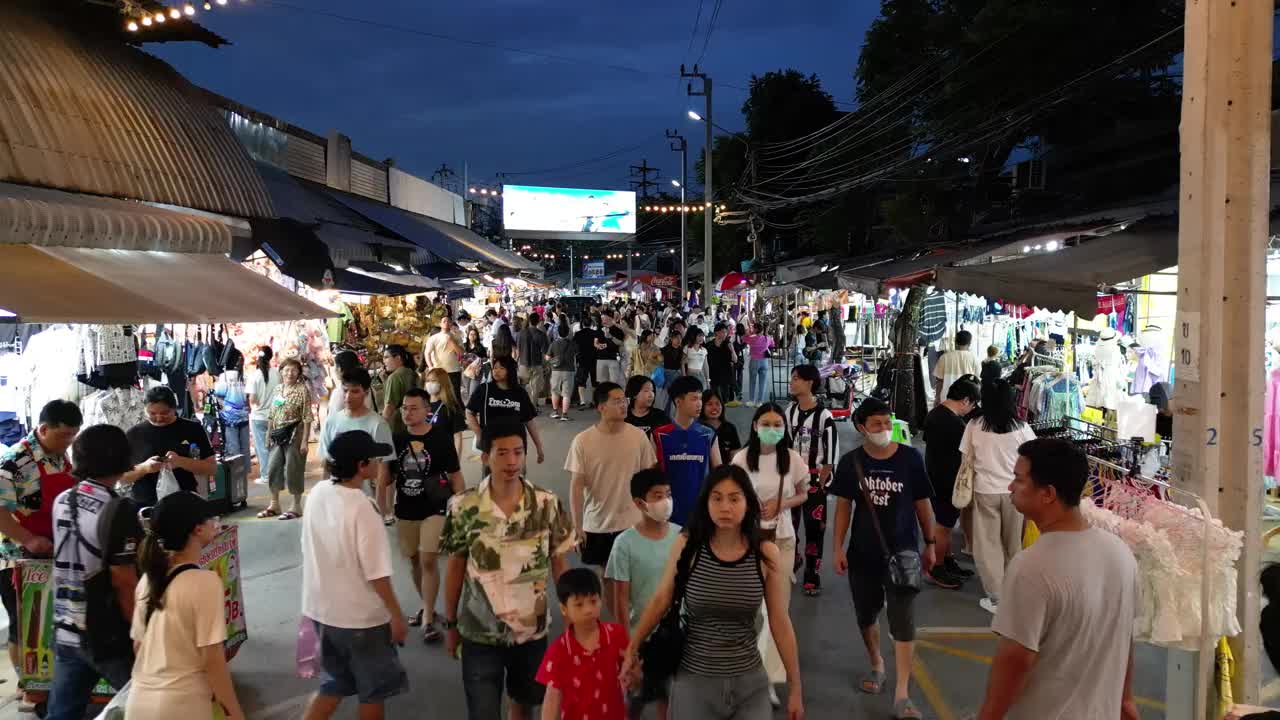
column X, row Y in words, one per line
column 664, row 648
column 771, row 534
column 905, row 568
column 962, row 491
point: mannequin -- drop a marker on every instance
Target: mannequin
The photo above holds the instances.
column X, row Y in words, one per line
column 1152, row 366
column 1108, row 376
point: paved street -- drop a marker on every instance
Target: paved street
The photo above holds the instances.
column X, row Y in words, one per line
column 949, row 678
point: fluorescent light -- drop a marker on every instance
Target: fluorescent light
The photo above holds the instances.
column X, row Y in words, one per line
column 1051, row 246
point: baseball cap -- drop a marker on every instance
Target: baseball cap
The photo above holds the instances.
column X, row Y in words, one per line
column 177, row 515
column 357, row 445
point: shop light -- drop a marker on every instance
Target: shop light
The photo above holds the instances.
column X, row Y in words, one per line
column 133, row 26
column 461, row 282
column 1026, row 249
column 147, row 21
column 188, row 10
column 672, row 251
column 473, row 191
column 174, row 13
column 1052, row 246
column 222, row 2
column 160, row 17
column 207, row 6
column 708, row 204
column 966, row 160
column 1039, row 247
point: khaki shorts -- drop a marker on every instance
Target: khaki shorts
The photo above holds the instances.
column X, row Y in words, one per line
column 420, row 535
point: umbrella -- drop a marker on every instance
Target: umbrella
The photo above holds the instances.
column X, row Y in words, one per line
column 732, row 281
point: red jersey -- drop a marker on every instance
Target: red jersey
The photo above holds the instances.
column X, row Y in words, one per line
column 587, row 681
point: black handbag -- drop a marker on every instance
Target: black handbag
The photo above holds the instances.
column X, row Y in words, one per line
column 282, row 436
column 906, row 572
column 662, row 651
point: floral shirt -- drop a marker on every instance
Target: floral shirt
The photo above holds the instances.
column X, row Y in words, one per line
column 504, row 596
column 20, row 468
column 291, row 403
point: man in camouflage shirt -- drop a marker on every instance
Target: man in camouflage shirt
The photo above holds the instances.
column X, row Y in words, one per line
column 506, row 540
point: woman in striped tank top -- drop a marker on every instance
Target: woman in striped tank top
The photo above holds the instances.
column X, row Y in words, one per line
column 732, row 569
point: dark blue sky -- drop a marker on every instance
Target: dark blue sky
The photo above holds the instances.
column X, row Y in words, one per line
column 425, row 101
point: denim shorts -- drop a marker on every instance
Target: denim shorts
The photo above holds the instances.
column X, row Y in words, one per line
column 360, row 662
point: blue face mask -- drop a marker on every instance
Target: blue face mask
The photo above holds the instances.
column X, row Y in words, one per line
column 770, row 435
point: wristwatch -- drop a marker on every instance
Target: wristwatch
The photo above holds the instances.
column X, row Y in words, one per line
column 930, row 541
column 449, row 624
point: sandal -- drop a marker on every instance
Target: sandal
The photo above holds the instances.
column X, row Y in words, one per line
column 289, row 515
column 904, row 709
column 812, row 590
column 431, row 634
column 269, row 512
column 416, row 619
column 873, row 682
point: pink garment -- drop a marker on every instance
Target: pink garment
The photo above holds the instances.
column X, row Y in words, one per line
column 759, row 345
column 1271, row 426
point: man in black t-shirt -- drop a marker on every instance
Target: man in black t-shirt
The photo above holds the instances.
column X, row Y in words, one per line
column 896, row 481
column 427, row 474
column 943, row 429
column 166, row 440
column 585, row 340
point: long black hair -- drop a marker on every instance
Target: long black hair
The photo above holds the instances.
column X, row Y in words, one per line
column 999, row 413
column 263, row 363
column 784, row 445
column 635, row 385
column 701, row 527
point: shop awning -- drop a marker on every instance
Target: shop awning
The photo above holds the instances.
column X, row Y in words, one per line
column 47, row 284
column 1070, row 278
column 53, row 218
column 446, row 241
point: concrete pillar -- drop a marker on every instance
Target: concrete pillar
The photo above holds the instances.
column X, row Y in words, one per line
column 337, row 161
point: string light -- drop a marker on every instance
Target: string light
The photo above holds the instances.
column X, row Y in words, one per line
column 160, row 17
column 207, row 6
column 147, row 21
column 188, row 10
column 174, row 13
column 133, row 26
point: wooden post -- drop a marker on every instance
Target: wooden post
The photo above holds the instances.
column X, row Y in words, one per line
column 1218, row 339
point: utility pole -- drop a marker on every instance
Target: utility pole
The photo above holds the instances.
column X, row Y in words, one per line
column 1224, row 201
column 644, row 183
column 680, row 145
column 442, row 175
column 708, row 211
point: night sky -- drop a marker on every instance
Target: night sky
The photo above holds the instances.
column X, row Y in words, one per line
column 426, row 101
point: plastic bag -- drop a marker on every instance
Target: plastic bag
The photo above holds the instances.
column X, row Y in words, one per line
column 308, row 652
column 166, row 484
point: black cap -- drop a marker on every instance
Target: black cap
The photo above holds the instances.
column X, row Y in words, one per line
column 177, row 515
column 357, row 445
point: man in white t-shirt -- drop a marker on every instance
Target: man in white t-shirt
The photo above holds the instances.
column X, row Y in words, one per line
column 1066, row 616
column 954, row 364
column 346, row 584
column 602, row 460
column 356, row 415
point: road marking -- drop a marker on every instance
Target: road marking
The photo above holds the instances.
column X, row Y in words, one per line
column 929, row 688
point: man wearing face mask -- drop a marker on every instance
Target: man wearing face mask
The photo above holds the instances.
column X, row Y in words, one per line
column 602, row 460
column 893, row 477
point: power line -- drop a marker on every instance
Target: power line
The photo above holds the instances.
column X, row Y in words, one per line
column 711, row 28
column 693, row 34
column 591, row 161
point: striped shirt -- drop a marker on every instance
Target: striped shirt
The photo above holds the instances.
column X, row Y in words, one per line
column 721, row 602
column 801, row 428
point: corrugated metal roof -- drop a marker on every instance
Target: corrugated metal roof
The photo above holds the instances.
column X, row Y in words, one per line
column 80, row 111
column 52, row 218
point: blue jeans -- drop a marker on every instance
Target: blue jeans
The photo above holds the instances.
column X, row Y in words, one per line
column 486, row 669
column 260, row 447
column 75, row 674
column 759, row 377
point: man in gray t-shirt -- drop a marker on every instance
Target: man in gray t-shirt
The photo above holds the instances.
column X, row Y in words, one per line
column 1066, row 617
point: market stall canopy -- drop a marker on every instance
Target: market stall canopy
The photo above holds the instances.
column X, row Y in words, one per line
column 84, row 112
column 299, row 254
column 446, row 241
column 82, row 285
column 1069, row 279
column 872, row 275
column 52, row 218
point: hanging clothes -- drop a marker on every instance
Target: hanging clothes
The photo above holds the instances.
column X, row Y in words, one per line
column 1271, row 426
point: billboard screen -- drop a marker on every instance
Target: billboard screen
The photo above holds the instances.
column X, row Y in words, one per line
column 593, row 270
column 570, row 213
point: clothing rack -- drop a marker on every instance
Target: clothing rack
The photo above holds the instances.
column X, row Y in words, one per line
column 1204, row 663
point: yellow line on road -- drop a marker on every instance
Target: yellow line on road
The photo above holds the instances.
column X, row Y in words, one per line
column 929, row 688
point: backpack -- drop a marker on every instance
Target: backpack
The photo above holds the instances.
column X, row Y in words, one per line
column 106, row 633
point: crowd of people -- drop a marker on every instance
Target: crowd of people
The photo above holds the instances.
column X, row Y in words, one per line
column 687, row 538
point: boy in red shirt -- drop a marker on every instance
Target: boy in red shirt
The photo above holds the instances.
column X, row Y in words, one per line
column 581, row 667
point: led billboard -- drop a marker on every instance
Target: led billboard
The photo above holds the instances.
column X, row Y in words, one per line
column 567, row 213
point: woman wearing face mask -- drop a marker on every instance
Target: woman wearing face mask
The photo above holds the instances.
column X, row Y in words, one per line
column 641, row 412
column 713, row 417
column 992, row 444
column 179, row 624
column 779, row 477
column 446, row 410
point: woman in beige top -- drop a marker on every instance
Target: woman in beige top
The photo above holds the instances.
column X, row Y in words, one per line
column 179, row 624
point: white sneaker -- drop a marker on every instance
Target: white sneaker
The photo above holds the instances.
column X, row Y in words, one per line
column 259, row 481
column 773, row 697
column 989, row 605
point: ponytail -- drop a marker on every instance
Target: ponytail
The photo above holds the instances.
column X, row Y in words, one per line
column 154, row 563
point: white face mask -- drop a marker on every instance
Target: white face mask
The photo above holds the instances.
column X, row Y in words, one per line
column 880, row 439
column 660, row 511
column 433, row 387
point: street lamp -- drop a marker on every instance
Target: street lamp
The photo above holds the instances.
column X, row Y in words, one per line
column 680, row 145
column 676, row 183
column 695, row 116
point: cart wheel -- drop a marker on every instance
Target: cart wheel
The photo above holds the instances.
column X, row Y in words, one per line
column 42, row 709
